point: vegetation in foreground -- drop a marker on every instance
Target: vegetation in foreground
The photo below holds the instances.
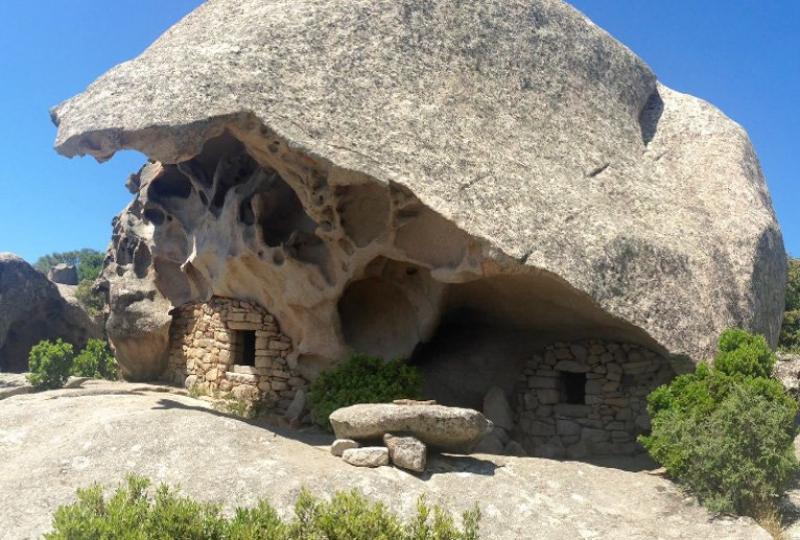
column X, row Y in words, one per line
column 362, row 379
column 50, row 363
column 134, row 513
column 790, row 330
column 726, row 431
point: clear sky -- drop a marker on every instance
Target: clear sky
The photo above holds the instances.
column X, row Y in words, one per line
column 742, row 55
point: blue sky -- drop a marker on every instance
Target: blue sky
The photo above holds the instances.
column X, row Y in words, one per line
column 742, row 55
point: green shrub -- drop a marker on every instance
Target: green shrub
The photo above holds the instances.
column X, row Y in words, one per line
column 92, row 301
column 90, row 265
column 744, row 354
column 133, row 513
column 49, row 364
column 362, row 379
column 727, row 431
column 790, row 330
column 96, row 361
column 793, row 286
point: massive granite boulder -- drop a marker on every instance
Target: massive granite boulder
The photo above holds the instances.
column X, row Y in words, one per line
column 33, row 309
column 374, row 173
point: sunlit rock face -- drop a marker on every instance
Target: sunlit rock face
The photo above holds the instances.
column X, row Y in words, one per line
column 383, row 174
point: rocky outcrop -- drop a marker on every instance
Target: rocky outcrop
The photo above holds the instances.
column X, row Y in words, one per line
column 65, row 274
column 32, row 309
column 139, row 320
column 446, row 428
column 370, row 172
column 108, row 430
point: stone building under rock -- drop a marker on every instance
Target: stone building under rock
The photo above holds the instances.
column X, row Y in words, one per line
column 587, row 398
column 469, row 185
column 230, row 347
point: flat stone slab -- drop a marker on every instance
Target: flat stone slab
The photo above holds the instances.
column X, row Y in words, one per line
column 370, row 456
column 446, row 428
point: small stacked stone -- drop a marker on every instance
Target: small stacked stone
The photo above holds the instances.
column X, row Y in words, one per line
column 203, row 352
column 612, row 408
column 405, row 452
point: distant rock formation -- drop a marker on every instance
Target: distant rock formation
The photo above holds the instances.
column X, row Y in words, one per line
column 65, row 274
column 32, row 309
column 382, row 174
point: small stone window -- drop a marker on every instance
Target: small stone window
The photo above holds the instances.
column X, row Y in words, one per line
column 245, row 347
column 573, row 387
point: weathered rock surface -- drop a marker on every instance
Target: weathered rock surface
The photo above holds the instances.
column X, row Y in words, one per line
column 66, row 274
column 368, row 456
column 139, row 319
column 497, row 409
column 446, row 428
column 365, row 169
column 32, row 309
column 12, row 384
column 49, row 447
column 787, row 370
column 406, row 452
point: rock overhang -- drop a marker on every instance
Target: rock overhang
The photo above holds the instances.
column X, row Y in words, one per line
column 522, row 124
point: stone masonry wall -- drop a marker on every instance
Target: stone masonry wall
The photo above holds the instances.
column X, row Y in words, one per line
column 207, row 341
column 561, row 414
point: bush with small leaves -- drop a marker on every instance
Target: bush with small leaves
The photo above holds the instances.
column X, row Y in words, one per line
column 50, row 363
column 726, row 431
column 133, row 512
column 790, row 330
column 96, row 361
column 362, row 379
column 93, row 302
column 744, row 354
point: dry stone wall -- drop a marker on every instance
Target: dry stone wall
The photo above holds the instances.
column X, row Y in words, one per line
column 232, row 347
column 587, row 398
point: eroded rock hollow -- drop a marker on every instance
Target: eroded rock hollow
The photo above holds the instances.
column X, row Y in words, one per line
column 462, row 184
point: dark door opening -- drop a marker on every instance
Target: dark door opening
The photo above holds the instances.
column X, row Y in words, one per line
column 573, row 388
column 246, row 347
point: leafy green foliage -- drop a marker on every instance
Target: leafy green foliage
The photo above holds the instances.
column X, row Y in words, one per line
column 133, row 513
column 89, row 262
column 727, row 431
column 91, row 301
column 52, row 362
column 793, row 286
column 49, row 364
column 362, row 379
column 96, row 361
column 742, row 353
column 790, row 330
column 90, row 265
